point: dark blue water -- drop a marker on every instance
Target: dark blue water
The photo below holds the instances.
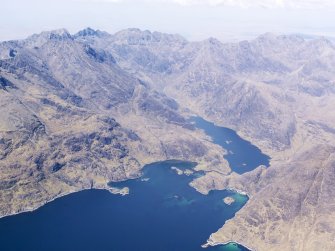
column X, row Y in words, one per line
column 163, row 213
column 242, row 155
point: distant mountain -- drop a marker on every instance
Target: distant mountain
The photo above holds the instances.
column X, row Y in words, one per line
column 277, row 91
column 78, row 111
column 73, row 119
column 238, row 85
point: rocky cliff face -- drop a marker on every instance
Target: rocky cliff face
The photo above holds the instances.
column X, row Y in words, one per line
column 78, row 111
column 72, row 119
column 277, row 91
column 250, row 85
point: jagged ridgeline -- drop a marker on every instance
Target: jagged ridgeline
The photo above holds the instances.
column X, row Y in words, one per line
column 78, row 111
column 72, row 119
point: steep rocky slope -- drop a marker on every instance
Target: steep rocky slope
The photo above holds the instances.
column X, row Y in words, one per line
column 250, row 85
column 277, row 91
column 78, row 111
column 72, row 119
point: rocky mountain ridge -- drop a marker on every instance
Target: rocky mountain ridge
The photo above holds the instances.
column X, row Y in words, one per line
column 278, row 92
column 78, row 111
column 72, row 119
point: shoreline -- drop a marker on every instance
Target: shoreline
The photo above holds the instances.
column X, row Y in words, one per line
column 107, row 187
column 238, row 191
column 112, row 191
column 123, row 192
column 210, row 243
column 37, row 207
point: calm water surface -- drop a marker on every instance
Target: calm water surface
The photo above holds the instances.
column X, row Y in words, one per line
column 162, row 212
column 242, row 155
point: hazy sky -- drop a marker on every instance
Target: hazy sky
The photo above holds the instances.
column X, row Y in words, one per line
column 194, row 19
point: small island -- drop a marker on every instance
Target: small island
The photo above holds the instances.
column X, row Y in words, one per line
column 177, row 170
column 186, row 172
column 122, row 191
column 228, row 200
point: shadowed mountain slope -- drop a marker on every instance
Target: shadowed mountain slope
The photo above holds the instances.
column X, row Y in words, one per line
column 78, row 111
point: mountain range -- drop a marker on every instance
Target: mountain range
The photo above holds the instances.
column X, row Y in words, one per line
column 78, row 111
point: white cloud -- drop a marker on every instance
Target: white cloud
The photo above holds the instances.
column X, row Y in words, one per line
column 299, row 4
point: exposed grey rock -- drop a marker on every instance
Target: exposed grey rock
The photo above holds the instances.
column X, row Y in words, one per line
column 78, row 111
column 277, row 91
column 71, row 118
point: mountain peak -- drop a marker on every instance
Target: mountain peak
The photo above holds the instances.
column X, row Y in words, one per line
column 272, row 37
column 136, row 36
column 213, row 41
column 46, row 36
column 59, row 34
column 88, row 32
